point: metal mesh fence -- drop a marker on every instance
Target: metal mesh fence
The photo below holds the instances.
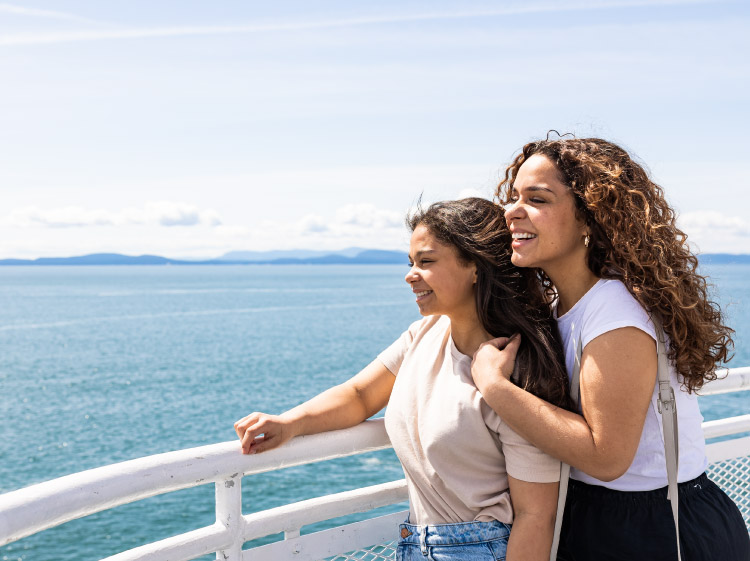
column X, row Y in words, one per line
column 382, row 552
column 733, row 476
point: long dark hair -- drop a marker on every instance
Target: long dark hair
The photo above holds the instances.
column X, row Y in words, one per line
column 509, row 299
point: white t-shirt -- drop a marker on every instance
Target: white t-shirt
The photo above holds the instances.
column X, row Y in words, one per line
column 455, row 450
column 608, row 305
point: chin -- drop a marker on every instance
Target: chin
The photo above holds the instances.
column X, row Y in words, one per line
column 518, row 260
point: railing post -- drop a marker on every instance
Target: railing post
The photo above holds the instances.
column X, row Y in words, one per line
column 229, row 515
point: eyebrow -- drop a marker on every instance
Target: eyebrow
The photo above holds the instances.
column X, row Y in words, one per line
column 535, row 188
column 422, row 252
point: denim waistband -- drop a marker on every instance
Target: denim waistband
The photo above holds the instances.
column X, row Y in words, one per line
column 453, row 534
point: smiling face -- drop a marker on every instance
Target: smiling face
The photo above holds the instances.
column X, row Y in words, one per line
column 442, row 282
column 542, row 219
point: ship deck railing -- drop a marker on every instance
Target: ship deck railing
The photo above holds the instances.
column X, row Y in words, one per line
column 44, row 505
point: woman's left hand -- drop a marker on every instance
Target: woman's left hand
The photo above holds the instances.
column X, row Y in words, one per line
column 494, row 360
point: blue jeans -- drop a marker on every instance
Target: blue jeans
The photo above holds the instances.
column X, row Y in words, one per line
column 466, row 541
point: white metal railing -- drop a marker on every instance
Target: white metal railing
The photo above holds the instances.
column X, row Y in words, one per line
column 735, row 379
column 44, row 505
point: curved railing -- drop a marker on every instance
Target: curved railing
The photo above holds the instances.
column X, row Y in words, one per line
column 44, row 505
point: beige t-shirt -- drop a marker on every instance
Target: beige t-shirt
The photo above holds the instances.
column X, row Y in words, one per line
column 455, row 450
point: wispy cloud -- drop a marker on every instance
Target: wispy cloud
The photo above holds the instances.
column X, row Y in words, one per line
column 164, row 32
column 73, row 231
column 163, row 213
column 718, row 223
column 37, row 13
column 711, row 231
column 352, row 221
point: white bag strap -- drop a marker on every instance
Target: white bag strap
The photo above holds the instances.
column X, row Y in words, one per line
column 667, row 408
column 575, row 394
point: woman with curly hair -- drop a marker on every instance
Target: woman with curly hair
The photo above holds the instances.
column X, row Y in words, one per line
column 603, row 241
column 476, row 490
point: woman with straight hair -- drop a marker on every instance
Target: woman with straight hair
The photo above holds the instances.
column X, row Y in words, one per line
column 602, row 239
column 476, row 490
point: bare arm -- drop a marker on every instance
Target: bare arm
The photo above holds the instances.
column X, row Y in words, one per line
column 534, row 509
column 618, row 373
column 339, row 407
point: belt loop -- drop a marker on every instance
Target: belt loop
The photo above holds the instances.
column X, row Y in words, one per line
column 423, row 540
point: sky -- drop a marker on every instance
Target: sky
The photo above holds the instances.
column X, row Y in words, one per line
column 190, row 128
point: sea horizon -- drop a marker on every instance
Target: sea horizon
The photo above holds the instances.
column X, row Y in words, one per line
column 349, row 255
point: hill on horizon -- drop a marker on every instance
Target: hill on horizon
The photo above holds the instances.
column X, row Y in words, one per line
column 288, row 254
column 348, row 256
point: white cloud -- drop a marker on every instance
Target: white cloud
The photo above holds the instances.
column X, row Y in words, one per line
column 716, row 222
column 368, row 216
column 141, row 33
column 77, row 231
column 177, row 214
column 312, row 224
column 162, row 213
column 349, row 224
column 712, row 231
column 37, row 13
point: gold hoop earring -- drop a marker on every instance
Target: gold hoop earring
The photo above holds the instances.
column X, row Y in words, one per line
column 586, row 240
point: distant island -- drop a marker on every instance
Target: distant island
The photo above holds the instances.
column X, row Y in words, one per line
column 349, row 256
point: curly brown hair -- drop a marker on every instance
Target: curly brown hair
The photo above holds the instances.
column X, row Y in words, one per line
column 634, row 238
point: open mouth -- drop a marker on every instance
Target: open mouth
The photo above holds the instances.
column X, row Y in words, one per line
column 422, row 294
column 521, row 238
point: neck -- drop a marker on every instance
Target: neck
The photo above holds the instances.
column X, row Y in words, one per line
column 468, row 333
column 571, row 287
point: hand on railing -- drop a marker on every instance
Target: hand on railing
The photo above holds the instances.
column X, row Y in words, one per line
column 259, row 432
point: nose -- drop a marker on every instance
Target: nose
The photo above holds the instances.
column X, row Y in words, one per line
column 513, row 211
column 411, row 275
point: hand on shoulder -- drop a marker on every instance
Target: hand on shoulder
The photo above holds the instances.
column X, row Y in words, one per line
column 494, row 361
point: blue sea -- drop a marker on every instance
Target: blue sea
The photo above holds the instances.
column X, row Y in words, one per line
column 104, row 364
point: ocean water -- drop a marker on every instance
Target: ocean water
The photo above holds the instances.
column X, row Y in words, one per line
column 105, row 364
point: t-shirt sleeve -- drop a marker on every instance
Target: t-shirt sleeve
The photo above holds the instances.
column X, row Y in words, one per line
column 525, row 461
column 393, row 356
column 614, row 308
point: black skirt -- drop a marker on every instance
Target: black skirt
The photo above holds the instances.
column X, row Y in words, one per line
column 601, row 524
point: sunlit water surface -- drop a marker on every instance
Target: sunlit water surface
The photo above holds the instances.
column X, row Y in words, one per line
column 105, row 364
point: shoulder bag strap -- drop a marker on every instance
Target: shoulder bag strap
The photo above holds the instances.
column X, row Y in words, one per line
column 667, row 407
column 575, row 394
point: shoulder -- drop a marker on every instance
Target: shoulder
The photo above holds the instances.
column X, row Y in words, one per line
column 431, row 328
column 608, row 290
column 611, row 306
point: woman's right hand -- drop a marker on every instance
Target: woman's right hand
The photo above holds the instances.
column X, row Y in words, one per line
column 259, row 432
column 494, row 361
